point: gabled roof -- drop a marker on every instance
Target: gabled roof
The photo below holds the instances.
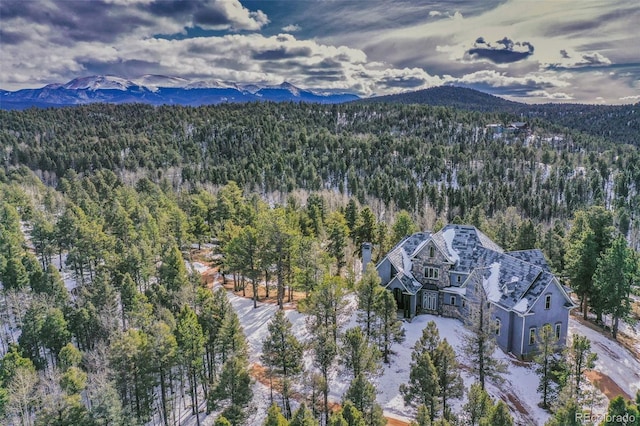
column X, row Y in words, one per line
column 461, row 244
column 534, row 256
column 513, row 280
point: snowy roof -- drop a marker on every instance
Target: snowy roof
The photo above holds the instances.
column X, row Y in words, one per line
column 400, row 258
column 512, row 280
column 461, row 244
column 534, row 256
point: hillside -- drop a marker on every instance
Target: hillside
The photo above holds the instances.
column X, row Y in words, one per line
column 616, row 123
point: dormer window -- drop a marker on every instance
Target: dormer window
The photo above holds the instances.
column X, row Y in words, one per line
column 432, row 252
column 547, row 301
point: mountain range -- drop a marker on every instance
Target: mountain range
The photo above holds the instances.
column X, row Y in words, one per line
column 160, row 90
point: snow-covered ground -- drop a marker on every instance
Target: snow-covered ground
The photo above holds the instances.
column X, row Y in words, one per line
column 613, row 360
column 520, row 381
column 519, row 387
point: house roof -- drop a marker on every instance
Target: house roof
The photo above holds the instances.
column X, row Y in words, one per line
column 511, row 280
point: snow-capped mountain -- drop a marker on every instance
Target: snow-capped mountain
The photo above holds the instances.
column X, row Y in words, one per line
column 161, row 90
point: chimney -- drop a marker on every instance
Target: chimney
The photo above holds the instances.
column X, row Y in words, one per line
column 366, row 255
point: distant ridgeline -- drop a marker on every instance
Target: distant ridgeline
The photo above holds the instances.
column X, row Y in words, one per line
column 616, row 123
column 414, row 157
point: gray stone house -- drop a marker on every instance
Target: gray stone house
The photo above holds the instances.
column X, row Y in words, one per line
column 441, row 273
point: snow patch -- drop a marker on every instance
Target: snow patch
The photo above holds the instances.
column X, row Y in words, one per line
column 492, row 284
column 448, row 236
column 521, row 306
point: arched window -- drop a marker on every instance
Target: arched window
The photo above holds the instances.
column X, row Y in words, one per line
column 498, row 326
column 432, row 252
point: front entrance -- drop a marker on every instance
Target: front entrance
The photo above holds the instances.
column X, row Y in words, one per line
column 397, row 294
column 430, row 301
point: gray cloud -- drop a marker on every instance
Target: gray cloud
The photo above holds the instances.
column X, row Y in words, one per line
column 502, row 51
column 282, row 53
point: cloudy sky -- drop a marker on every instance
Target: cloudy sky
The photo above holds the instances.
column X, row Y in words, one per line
column 527, row 50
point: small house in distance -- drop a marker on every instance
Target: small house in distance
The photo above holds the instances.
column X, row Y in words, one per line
column 441, row 273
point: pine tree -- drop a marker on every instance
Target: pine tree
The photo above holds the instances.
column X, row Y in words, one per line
column 275, row 417
column 190, row 344
column 303, row 417
column 325, row 351
column 282, row 354
column 566, row 415
column 499, row 416
column 588, row 238
column 423, row 387
column 352, row 415
column 368, row 291
column 546, row 360
column 338, row 232
column 478, row 405
column 358, row 356
column 615, row 276
column 428, row 342
column 362, row 393
column 233, row 391
column 621, row 412
column 579, row 358
column 389, row 327
column 479, row 345
column 403, row 226
column 449, row 378
column 423, row 418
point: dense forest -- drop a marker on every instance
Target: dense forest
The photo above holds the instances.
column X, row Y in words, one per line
column 104, row 210
column 615, row 123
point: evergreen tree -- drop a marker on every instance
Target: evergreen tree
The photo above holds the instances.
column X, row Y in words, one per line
column 282, row 354
column 615, row 276
column 527, row 236
column 275, row 417
column 389, row 327
column 352, row 415
column 358, row 356
column 589, row 237
column 499, row 416
column 403, row 226
column 337, row 233
column 325, row 351
column 579, row 358
column 546, row 360
column 479, row 345
column 423, row 387
column 622, row 412
column 190, row 344
column 303, row 417
column 233, row 391
column 369, row 292
column 566, row 415
column 362, row 393
column 478, row 405
column 423, row 418
column 449, row 378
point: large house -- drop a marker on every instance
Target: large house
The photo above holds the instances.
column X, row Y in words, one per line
column 441, row 273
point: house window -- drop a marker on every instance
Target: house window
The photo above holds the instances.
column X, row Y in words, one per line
column 464, row 303
column 458, row 279
column 498, row 324
column 558, row 330
column 547, row 301
column 453, row 300
column 432, row 252
column 488, row 305
column 432, row 273
column 532, row 335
